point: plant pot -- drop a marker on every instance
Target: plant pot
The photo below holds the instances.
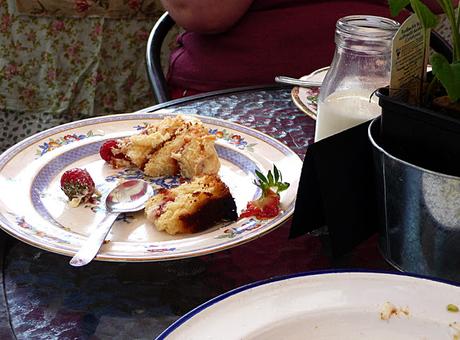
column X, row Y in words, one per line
column 421, row 136
column 419, row 214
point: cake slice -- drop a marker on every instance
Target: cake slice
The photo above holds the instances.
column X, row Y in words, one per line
column 192, row 207
column 175, row 146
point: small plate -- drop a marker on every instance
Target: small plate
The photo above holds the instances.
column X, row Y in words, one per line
column 305, row 98
column 35, row 210
column 327, row 305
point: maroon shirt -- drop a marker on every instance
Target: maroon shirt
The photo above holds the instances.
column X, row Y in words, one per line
column 275, row 37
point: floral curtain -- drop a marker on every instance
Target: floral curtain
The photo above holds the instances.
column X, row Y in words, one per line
column 57, row 69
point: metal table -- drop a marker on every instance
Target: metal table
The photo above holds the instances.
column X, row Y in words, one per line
column 45, row 298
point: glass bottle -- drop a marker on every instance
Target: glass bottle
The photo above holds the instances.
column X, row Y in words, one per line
column 361, row 64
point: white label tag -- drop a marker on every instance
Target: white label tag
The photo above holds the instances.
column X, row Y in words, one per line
column 409, row 58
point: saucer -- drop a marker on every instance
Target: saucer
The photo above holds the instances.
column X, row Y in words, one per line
column 305, row 98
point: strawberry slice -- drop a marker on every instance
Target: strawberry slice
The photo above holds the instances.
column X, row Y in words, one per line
column 109, row 151
column 264, row 207
column 268, row 204
column 78, row 185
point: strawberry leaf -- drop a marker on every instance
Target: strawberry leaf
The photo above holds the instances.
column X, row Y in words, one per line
column 282, row 186
column 270, row 178
column 261, row 176
column 271, row 182
column 277, row 173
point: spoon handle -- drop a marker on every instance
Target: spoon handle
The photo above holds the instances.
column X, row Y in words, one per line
column 91, row 246
column 297, row 82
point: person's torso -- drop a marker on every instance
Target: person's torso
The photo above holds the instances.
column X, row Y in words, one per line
column 288, row 37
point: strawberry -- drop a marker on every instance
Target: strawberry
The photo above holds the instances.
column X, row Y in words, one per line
column 78, row 185
column 264, row 207
column 267, row 205
column 108, row 151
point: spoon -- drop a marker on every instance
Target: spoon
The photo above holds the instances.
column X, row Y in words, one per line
column 297, row 82
column 128, row 196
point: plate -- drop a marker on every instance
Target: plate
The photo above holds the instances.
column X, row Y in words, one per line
column 305, row 98
column 35, row 210
column 339, row 305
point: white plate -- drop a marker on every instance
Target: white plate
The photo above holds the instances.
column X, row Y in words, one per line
column 305, row 98
column 34, row 209
column 341, row 305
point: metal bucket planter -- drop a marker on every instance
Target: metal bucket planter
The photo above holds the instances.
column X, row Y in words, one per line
column 428, row 138
column 419, row 214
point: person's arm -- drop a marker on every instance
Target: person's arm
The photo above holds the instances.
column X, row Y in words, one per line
column 206, row 16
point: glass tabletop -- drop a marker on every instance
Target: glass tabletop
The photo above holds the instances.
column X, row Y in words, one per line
column 46, row 298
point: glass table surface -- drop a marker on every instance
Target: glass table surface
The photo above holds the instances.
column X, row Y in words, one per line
column 44, row 297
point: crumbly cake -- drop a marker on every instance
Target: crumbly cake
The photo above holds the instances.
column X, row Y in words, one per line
column 175, row 146
column 191, row 207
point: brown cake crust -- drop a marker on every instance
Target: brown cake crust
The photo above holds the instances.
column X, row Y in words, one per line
column 215, row 210
column 192, row 207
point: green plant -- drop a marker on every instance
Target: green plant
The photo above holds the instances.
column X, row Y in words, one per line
column 448, row 74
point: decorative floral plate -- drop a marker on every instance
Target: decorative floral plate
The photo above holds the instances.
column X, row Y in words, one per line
column 328, row 305
column 305, row 98
column 35, row 210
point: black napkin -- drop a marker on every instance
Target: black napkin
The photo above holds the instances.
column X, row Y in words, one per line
column 337, row 189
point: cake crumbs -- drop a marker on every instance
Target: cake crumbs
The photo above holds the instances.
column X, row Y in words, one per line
column 455, row 328
column 388, row 310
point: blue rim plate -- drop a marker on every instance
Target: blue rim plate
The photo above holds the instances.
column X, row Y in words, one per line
column 34, row 209
column 328, row 305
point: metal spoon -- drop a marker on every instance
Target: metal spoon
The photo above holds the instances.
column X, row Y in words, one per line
column 128, row 196
column 297, row 82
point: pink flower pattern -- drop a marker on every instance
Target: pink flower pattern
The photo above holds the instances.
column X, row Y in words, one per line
column 5, row 23
column 134, row 4
column 97, row 31
column 58, row 25
column 81, row 6
column 11, row 70
column 142, row 35
column 51, row 75
column 98, row 77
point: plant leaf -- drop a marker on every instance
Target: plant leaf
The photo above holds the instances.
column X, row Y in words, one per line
column 448, row 75
column 397, row 6
column 427, row 18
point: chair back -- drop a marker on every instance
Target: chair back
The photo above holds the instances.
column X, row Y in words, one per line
column 153, row 57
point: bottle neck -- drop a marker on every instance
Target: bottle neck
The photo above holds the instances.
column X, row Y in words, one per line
column 365, row 34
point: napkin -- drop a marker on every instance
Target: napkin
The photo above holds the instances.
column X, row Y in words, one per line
column 337, row 189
